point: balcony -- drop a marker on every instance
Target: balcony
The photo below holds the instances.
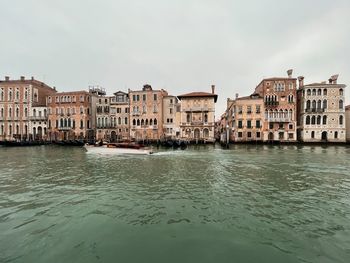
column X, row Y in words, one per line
column 271, row 103
column 279, row 119
column 318, row 110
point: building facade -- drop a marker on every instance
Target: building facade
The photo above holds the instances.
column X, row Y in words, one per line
column 321, row 111
column 146, row 114
column 170, row 108
column 246, row 119
column 280, row 103
column 347, row 122
column 120, row 113
column 70, row 116
column 198, row 116
column 21, row 102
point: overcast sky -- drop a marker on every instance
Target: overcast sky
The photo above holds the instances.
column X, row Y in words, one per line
column 179, row 45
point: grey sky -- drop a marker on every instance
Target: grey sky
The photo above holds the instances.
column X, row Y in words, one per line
column 179, row 45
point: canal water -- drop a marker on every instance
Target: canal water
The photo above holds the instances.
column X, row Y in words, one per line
column 203, row 204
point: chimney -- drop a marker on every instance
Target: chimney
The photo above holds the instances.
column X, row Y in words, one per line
column 7, row 78
column 22, row 78
column 236, row 95
column 32, row 78
column 290, row 73
column 301, row 81
column 54, row 88
column 212, row 89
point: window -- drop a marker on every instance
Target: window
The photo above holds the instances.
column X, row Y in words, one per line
column 155, row 122
column 341, row 92
column 249, row 134
column 314, row 92
column 325, row 92
column 312, row 135
column 188, row 117
column 307, row 120
column 319, row 92
column 144, row 97
column 271, row 126
column 308, row 92
column 290, row 126
column 336, row 135
column 240, row 124
column 249, row 109
column 154, row 96
column 257, row 124
column 308, row 104
column 205, row 118
column 324, row 120
column 240, row 110
column 240, row 135
column 171, row 111
column 318, row 120
column 126, row 121
column 319, row 104
column 313, row 120
column 258, row 135
column 341, row 104
column 341, row 119
column 138, row 97
column 324, row 104
column 249, row 124
column 257, row 109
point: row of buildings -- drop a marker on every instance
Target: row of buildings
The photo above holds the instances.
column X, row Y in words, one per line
column 285, row 109
column 31, row 110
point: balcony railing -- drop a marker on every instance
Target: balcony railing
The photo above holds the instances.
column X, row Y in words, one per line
column 271, row 103
column 279, row 119
column 65, row 128
column 318, row 110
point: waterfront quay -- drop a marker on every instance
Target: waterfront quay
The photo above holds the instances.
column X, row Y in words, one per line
column 248, row 203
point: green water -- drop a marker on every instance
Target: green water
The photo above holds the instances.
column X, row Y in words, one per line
column 204, row 204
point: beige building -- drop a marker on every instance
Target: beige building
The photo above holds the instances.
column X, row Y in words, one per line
column 146, row 114
column 198, row 115
column 245, row 118
column 280, row 103
column 347, row 122
column 21, row 101
column 171, row 129
column 120, row 113
column 321, row 111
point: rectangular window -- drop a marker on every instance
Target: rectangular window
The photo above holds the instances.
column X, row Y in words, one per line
column 257, row 124
column 291, row 126
column 154, row 96
column 171, row 111
column 258, row 135
column 240, row 110
column 249, row 109
column 249, row 134
column 134, row 97
column 271, row 126
column 240, row 135
column 257, row 108
column 138, row 97
column 240, row 124
column 249, row 124
column 144, row 97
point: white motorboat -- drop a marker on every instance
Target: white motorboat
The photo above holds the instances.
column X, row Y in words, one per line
column 119, row 148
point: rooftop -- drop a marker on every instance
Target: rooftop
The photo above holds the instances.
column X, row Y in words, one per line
column 198, row 94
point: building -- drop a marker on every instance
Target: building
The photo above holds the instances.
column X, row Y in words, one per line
column 347, row 122
column 112, row 114
column 23, row 109
column 71, row 115
column 246, row 118
column 198, row 115
column 146, row 114
column 170, row 107
column 280, row 105
column 321, row 111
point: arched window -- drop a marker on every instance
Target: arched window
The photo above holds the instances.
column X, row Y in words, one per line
column 69, row 123
column 2, row 112
column 318, row 120
column 146, row 122
column 126, row 121
column 119, row 121
column 10, row 112
column 308, row 92
column 150, row 122
column 142, row 122
column 134, row 122
column 307, row 120
column 308, row 104
column 313, row 104
column 341, row 104
column 138, row 122
column 341, row 119
column 205, row 118
column 324, row 104
column 61, row 122
column 65, row 123
column 188, row 117
column 324, row 120
column 341, row 92
column 26, row 112
column 10, row 95
column 324, row 92
column 314, row 92
column 17, row 112
column 17, row 95
column 81, row 124
column 34, row 112
column 155, row 122
column 319, row 92
column 319, row 104
column 313, row 120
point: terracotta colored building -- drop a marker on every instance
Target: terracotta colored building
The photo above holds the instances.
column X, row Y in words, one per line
column 280, row 103
column 70, row 115
column 198, row 115
column 146, row 113
column 321, row 111
column 22, row 109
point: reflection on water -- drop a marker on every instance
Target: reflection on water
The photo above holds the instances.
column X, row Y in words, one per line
column 205, row 204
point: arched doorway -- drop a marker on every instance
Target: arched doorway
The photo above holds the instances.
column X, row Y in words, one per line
column 196, row 133
column 206, row 133
column 324, row 136
column 40, row 133
column 113, row 136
